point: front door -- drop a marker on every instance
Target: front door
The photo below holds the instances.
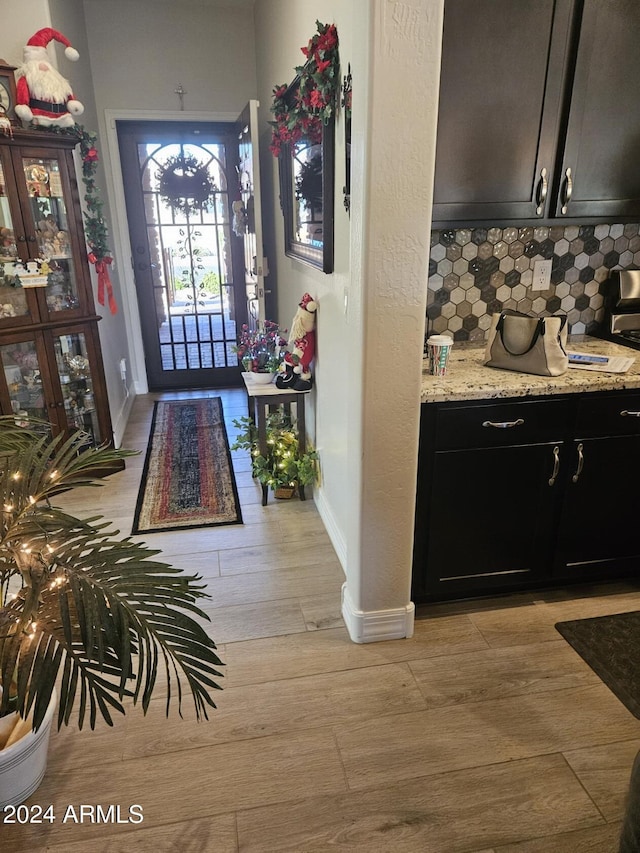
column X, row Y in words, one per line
column 181, row 180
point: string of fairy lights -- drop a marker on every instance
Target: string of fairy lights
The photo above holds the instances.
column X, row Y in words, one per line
column 27, row 558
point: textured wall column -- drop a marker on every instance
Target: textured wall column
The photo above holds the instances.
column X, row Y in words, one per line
column 393, row 243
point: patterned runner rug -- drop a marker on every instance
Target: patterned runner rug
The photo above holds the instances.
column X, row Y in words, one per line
column 611, row 647
column 188, row 478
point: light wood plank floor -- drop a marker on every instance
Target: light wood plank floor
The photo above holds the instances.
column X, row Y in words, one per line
column 484, row 733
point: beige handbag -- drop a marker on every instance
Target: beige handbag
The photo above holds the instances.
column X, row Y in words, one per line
column 528, row 344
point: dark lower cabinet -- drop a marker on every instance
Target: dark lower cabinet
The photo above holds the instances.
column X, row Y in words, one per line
column 499, row 511
column 597, row 527
column 518, row 494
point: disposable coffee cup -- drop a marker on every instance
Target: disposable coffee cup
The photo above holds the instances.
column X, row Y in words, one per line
column 438, row 350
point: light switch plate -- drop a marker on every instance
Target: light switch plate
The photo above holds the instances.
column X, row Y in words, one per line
column 541, row 275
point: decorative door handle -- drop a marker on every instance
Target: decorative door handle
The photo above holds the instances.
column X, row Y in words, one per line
column 556, row 465
column 503, row 424
column 567, row 190
column 541, row 192
column 624, row 413
column 576, row 476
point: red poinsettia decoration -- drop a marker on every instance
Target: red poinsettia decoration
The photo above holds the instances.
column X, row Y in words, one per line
column 302, row 114
column 259, row 349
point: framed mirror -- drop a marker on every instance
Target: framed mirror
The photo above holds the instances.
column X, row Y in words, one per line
column 307, row 170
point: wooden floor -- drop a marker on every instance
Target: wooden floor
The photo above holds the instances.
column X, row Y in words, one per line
column 484, row 733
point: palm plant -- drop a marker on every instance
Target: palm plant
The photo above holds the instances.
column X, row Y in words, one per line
column 80, row 608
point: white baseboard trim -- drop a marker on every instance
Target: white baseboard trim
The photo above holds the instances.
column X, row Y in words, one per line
column 335, row 534
column 375, row 625
column 120, row 422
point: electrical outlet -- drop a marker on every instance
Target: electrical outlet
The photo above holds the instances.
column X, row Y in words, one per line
column 541, row 275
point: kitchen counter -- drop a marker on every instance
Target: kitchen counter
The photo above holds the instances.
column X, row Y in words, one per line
column 468, row 379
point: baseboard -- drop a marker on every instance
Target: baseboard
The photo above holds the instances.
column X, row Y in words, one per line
column 335, row 534
column 376, row 625
column 120, row 422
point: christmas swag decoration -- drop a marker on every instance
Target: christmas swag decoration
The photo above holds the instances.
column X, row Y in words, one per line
column 95, row 227
column 185, row 184
column 317, row 94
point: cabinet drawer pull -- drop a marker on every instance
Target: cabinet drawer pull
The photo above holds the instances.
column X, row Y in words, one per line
column 567, row 190
column 503, row 424
column 556, row 465
column 576, row 476
column 626, row 413
column 541, row 194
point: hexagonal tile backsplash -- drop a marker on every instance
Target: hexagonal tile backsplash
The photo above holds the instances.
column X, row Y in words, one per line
column 474, row 273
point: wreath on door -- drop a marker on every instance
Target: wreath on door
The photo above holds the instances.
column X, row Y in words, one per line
column 185, row 184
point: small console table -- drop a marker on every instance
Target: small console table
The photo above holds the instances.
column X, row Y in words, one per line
column 260, row 398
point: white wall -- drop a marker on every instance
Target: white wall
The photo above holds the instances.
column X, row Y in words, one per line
column 141, row 51
column 285, row 27
column 20, row 19
column 368, row 371
column 397, row 192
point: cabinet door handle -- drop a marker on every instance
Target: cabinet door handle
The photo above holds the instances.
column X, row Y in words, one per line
column 556, row 465
column 542, row 189
column 625, row 413
column 503, row 424
column 576, row 476
column 567, row 190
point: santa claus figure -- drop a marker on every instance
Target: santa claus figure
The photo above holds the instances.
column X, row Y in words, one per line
column 302, row 348
column 44, row 97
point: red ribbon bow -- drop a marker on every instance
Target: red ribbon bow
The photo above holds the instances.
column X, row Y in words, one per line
column 104, row 282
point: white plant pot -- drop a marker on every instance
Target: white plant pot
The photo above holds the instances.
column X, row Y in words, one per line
column 22, row 765
column 262, row 378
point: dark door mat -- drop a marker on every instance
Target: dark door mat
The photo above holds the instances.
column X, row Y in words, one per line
column 611, row 647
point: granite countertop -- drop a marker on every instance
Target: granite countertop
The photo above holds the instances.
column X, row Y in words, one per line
column 468, row 379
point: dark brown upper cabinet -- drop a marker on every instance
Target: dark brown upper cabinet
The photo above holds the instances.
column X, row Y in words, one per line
column 539, row 118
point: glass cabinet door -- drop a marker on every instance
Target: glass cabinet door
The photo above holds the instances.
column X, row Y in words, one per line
column 13, row 300
column 24, row 381
column 49, row 214
column 74, row 373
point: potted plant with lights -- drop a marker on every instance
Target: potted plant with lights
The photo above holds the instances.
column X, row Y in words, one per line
column 283, row 468
column 87, row 620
